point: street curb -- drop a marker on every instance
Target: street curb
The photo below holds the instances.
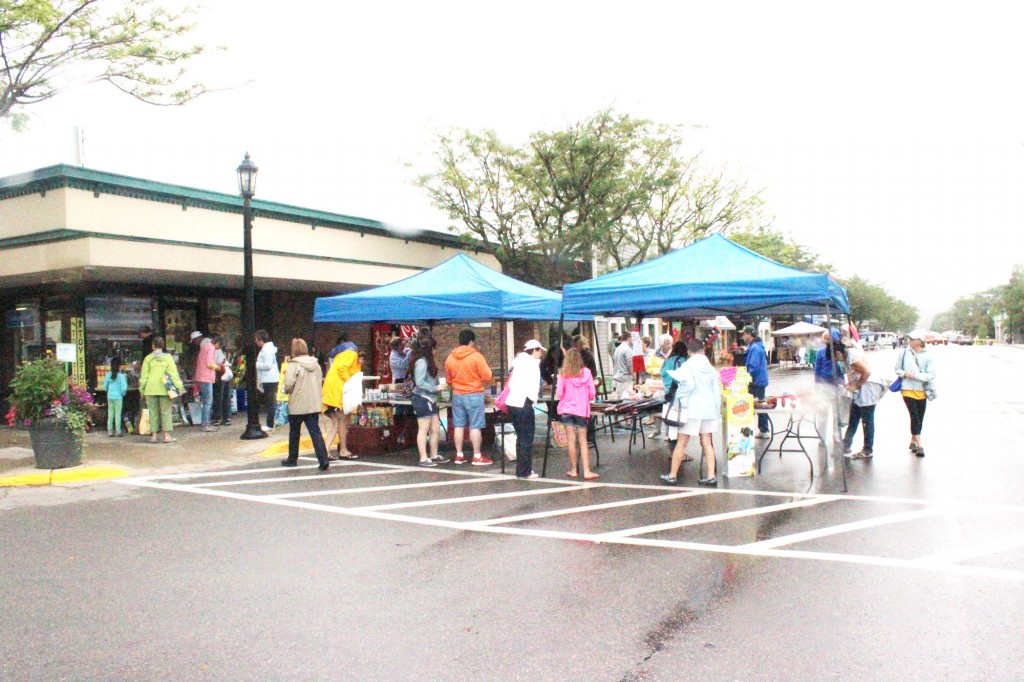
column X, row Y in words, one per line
column 57, row 476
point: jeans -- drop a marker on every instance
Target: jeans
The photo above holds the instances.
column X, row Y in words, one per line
column 206, row 395
column 114, row 415
column 525, row 425
column 312, row 422
column 916, row 409
column 859, row 414
column 270, row 398
column 222, row 401
column 762, row 419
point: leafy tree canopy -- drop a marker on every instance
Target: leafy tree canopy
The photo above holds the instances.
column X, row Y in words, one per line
column 869, row 301
column 614, row 188
column 48, row 46
column 780, row 248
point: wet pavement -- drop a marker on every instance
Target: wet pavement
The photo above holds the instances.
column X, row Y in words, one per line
column 243, row 570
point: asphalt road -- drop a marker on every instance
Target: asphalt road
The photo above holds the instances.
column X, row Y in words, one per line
column 917, row 573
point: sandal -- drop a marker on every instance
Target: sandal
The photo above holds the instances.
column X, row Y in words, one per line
column 152, row 440
column 348, row 455
column 686, row 458
column 170, row 440
column 333, row 458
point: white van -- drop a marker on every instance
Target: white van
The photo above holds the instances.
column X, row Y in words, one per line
column 880, row 340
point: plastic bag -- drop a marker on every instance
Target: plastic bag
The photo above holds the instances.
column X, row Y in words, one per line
column 559, row 434
column 144, row 422
column 281, row 416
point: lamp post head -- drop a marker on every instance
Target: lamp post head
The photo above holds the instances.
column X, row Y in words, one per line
column 247, row 177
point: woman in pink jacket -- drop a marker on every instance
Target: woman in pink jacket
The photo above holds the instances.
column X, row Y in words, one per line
column 574, row 392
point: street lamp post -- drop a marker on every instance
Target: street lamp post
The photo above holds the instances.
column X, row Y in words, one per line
column 247, row 188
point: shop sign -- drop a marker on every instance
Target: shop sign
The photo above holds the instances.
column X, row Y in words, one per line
column 66, row 352
column 78, row 340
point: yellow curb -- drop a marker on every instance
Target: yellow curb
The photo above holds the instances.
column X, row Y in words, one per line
column 63, row 476
column 278, row 449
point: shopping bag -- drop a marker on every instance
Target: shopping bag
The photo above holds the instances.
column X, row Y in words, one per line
column 929, row 391
column 172, row 390
column 499, row 402
column 676, row 414
column 281, row 416
column 352, row 393
column 897, row 385
column 144, row 422
column 559, row 434
column 510, row 447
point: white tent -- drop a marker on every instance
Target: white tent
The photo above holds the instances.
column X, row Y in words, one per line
column 799, row 329
column 722, row 322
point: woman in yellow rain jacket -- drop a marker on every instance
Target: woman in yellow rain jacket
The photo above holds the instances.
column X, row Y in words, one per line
column 344, row 365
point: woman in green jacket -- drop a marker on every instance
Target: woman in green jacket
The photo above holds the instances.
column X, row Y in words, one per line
column 156, row 367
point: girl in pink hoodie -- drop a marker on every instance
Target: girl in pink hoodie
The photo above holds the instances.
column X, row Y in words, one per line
column 574, row 392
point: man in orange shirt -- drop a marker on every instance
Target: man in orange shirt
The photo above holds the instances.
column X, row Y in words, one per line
column 467, row 373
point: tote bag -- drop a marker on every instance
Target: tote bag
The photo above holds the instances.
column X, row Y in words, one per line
column 502, row 399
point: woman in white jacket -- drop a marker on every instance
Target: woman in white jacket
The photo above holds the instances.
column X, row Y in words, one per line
column 523, row 392
column 700, row 394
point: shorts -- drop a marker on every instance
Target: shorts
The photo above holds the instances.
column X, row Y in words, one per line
column 424, row 409
column 573, row 420
column 468, row 410
column 697, row 426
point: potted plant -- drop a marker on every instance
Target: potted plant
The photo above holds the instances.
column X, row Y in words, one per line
column 56, row 412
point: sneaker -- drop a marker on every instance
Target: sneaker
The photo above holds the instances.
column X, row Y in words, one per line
column 533, row 474
column 863, row 454
column 209, row 429
column 225, row 422
column 267, row 429
column 482, row 461
column 439, row 459
column 671, row 480
column 919, row 452
column 289, row 462
column 428, row 463
column 460, row 459
column 761, row 435
column 654, row 435
column 708, row 481
column 847, row 449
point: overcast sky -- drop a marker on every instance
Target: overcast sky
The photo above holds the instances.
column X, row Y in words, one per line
column 888, row 137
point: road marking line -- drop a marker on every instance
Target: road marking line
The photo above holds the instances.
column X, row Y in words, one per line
column 236, row 472
column 843, row 528
column 973, row 551
column 283, row 479
column 745, row 550
column 460, row 500
column 591, row 507
column 379, row 488
column 714, row 518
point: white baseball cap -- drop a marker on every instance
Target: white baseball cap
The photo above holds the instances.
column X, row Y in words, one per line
column 194, row 336
column 533, row 344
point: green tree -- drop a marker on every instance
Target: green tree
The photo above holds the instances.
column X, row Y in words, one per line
column 869, row 301
column 610, row 187
column 48, row 46
column 779, row 247
column 1010, row 302
column 970, row 314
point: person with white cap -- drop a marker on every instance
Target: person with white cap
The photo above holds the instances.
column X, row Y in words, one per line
column 523, row 393
column 205, row 375
column 914, row 367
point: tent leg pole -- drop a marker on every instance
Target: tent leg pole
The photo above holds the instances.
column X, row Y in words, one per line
column 600, row 361
column 501, row 419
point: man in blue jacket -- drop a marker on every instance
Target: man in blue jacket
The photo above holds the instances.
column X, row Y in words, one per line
column 757, row 366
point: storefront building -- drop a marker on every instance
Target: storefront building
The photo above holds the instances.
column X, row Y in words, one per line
column 95, row 258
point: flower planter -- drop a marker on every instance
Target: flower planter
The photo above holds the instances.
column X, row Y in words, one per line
column 55, row 446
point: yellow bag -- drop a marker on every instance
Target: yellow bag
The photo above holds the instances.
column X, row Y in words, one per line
column 282, row 397
column 144, row 423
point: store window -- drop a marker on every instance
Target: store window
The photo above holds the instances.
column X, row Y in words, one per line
column 225, row 318
column 25, row 332
column 112, row 326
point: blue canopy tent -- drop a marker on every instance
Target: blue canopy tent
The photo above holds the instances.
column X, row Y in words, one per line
column 457, row 290
column 711, row 277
